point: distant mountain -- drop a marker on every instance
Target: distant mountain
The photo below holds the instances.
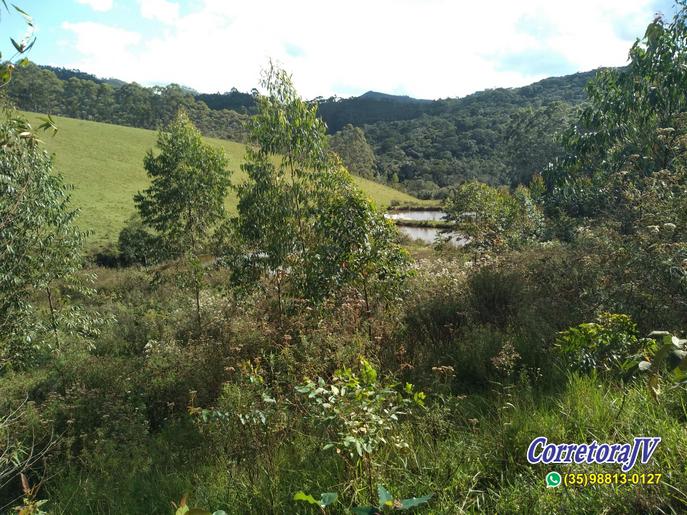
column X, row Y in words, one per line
column 373, row 107
column 428, row 146
column 375, row 95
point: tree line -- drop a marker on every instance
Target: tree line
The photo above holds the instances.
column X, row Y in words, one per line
column 499, row 136
column 39, row 89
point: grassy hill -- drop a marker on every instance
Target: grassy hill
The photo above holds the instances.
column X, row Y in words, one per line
column 104, row 163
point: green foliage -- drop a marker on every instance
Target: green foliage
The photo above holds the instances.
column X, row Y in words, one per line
column 138, row 245
column 360, row 413
column 429, row 147
column 41, row 249
column 79, row 95
column 667, row 352
column 185, row 200
column 495, row 295
column 325, row 499
column 302, row 221
column 388, row 503
column 103, row 162
column 603, row 345
column 354, row 150
column 21, row 47
column 152, row 408
column 533, row 140
column 189, row 183
column 183, row 509
column 632, row 128
column 494, row 218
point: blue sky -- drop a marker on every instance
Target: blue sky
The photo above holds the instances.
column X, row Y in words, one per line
column 423, row 48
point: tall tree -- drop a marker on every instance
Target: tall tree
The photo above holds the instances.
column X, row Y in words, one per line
column 633, row 127
column 185, row 200
column 303, row 222
column 494, row 218
column 39, row 244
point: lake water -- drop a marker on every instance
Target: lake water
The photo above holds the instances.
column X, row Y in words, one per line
column 427, row 235
column 424, row 214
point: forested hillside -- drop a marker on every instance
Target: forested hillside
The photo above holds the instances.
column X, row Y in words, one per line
column 78, row 95
column 423, row 146
column 455, row 140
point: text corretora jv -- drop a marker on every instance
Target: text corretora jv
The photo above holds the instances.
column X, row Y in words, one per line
column 626, row 454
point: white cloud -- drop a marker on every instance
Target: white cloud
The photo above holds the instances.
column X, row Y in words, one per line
column 161, row 10
column 97, row 5
column 425, row 48
column 102, row 46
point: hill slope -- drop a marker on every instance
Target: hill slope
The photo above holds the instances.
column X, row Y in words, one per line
column 428, row 146
column 104, row 163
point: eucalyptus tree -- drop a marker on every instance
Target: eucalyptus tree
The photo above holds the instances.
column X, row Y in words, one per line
column 40, row 245
column 494, row 218
column 185, row 201
column 21, row 47
column 302, row 222
column 625, row 167
column 633, row 126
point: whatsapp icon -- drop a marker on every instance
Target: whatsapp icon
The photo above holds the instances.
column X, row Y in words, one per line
column 553, row 480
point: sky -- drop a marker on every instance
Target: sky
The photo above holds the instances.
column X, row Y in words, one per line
column 422, row 48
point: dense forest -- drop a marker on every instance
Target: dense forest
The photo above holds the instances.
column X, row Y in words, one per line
column 424, row 147
column 299, row 355
column 57, row 91
column 430, row 146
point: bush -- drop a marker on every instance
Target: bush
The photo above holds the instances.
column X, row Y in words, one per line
column 137, row 245
column 495, row 295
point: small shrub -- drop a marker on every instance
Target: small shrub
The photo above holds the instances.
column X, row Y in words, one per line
column 603, row 345
column 495, row 295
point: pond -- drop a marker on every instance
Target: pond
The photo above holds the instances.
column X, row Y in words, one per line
column 417, row 215
column 427, row 235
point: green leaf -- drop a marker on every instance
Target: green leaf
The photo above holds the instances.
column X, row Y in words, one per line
column 302, row 496
column 20, row 48
column 385, row 498
column 662, row 353
column 198, row 511
column 26, row 15
column 327, row 498
column 407, row 504
column 30, row 45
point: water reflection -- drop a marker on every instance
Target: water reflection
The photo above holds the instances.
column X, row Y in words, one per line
column 424, row 214
column 429, row 235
